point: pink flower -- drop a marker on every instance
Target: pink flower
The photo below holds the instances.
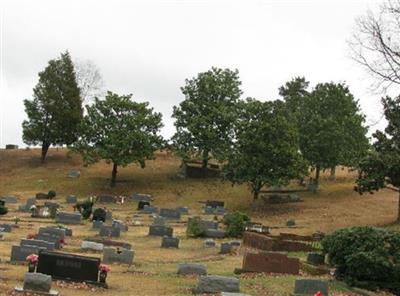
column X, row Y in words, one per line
column 32, row 258
column 104, row 268
column 318, row 294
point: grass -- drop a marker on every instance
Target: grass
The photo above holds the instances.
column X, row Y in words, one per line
column 335, row 206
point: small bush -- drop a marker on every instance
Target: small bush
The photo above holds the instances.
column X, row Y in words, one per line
column 51, row 194
column 3, row 210
column 85, row 208
column 194, row 228
column 235, row 223
column 367, row 257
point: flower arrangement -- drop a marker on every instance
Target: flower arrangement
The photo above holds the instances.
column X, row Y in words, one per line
column 32, row 258
column 104, row 268
column 318, row 294
column 62, row 242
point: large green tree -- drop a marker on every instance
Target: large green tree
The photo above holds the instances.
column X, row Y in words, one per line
column 205, row 119
column 55, row 111
column 381, row 167
column 119, row 130
column 266, row 149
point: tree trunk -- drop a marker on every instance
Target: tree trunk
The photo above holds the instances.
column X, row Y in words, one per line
column 333, row 173
column 398, row 209
column 317, row 171
column 114, row 175
column 205, row 159
column 255, row 195
column 45, row 148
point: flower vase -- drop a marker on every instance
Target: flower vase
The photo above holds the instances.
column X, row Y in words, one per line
column 103, row 276
column 31, row 267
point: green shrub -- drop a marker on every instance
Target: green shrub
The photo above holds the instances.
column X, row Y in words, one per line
column 367, row 257
column 51, row 194
column 85, row 208
column 235, row 223
column 194, row 228
column 3, row 210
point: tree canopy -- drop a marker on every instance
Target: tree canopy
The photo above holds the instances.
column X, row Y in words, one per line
column 266, row 149
column 205, row 119
column 55, row 112
column 119, row 130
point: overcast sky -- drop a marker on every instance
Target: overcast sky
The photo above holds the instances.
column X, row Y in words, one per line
column 148, row 48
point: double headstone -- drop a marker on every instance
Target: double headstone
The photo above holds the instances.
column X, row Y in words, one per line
column 71, row 199
column 170, row 242
column 93, row 246
column 170, row 214
column 68, row 218
column 19, row 253
column 215, row 233
column 150, row 210
column 50, row 234
column 109, row 231
column 160, row 230
column 309, row 287
column 191, row 269
column 217, row 284
column 123, row 256
column 49, row 246
column 271, row 262
column 141, row 197
column 9, row 199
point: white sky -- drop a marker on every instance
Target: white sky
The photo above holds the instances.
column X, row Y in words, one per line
column 148, row 48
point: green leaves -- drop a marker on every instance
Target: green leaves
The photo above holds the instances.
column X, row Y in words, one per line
column 119, row 130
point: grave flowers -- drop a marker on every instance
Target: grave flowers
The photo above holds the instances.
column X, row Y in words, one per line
column 318, row 294
column 62, row 242
column 32, row 262
column 104, row 269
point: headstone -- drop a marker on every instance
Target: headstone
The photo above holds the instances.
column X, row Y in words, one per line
column 123, row 256
column 105, row 199
column 29, row 203
column 54, row 235
column 68, row 266
column 314, row 258
column 227, row 248
column 97, row 224
column 111, row 243
column 99, row 214
column 71, row 199
column 270, row 262
column 11, row 146
column 6, row 227
column 88, row 245
column 74, row 174
column 183, row 210
column 290, row 222
column 214, row 233
column 68, row 231
column 42, row 195
column 9, row 199
column 215, row 203
column 209, row 243
column 233, row 294
column 37, row 243
column 108, row 215
column 141, row 197
column 68, row 218
column 119, row 224
column 216, row 284
column 19, row 253
column 310, row 287
column 37, row 282
column 150, row 210
column 266, row 243
column 159, row 221
column 170, row 214
column 215, row 210
column 191, row 268
column 142, row 204
column 160, row 230
column 110, row 231
column 170, row 242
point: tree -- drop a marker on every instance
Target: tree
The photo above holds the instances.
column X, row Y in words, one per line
column 205, row 119
column 381, row 167
column 55, row 112
column 266, row 149
column 375, row 44
column 331, row 127
column 89, row 80
column 120, row 131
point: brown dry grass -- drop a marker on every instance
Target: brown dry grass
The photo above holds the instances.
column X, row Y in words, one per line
column 153, row 273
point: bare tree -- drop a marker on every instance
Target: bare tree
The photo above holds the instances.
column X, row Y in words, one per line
column 376, row 45
column 89, row 80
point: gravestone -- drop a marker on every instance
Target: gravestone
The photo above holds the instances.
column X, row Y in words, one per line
column 209, row 243
column 170, row 242
column 229, row 247
column 105, row 199
column 150, row 210
column 41, row 211
column 314, row 258
column 37, row 282
column 123, row 256
column 170, row 214
column 309, row 287
column 216, row 284
column 19, row 253
column 99, row 214
column 273, row 262
column 9, row 199
column 68, row 266
column 215, row 204
column 119, row 224
column 97, row 224
column 109, row 231
column 42, row 195
column 160, row 230
column 50, row 234
column 191, row 268
column 111, row 243
column 11, row 146
column 142, row 204
column 88, row 245
column 214, row 233
column 71, row 199
column 108, row 215
column 142, row 197
column 6, row 227
column 159, row 221
column 29, row 203
column 68, row 218
column 183, row 210
column 37, row 243
column 215, row 211
column 68, row 231
column 74, row 174
column 204, row 224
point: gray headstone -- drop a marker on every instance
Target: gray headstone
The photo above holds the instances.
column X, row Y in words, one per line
column 6, row 227
column 214, row 233
column 108, row 215
column 74, row 174
column 123, row 256
column 109, row 231
column 9, row 199
column 119, row 224
column 310, row 287
column 68, row 218
column 149, row 210
column 160, row 230
column 191, row 268
column 226, row 248
column 37, row 243
column 183, row 210
column 159, row 221
column 170, row 214
column 19, row 253
column 54, row 235
column 29, row 203
column 37, row 282
column 216, row 283
column 97, row 224
column 170, row 242
column 209, row 243
column 215, row 211
column 141, row 197
column 88, row 245
column 71, row 199
column 68, row 231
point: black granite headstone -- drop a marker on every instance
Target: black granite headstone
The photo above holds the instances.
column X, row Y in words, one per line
column 99, row 215
column 142, row 203
column 215, row 203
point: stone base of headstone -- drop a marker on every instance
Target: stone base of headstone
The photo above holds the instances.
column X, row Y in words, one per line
column 216, row 283
column 20, row 290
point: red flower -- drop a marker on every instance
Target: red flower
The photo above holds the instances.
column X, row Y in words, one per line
column 62, row 242
column 318, row 294
column 32, row 258
column 104, row 268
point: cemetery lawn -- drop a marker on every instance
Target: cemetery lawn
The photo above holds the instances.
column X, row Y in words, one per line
column 336, row 205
